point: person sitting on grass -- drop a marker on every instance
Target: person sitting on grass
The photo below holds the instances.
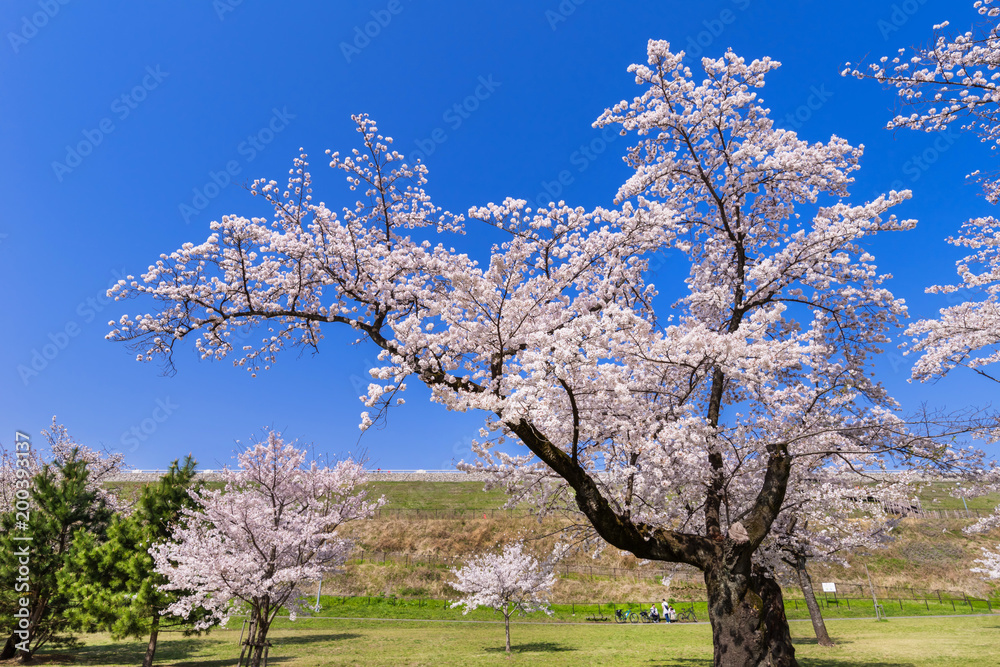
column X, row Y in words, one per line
column 654, row 615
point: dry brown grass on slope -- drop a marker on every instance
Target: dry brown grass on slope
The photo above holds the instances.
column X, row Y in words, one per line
column 467, row 536
column 424, row 581
column 926, row 555
column 447, row 537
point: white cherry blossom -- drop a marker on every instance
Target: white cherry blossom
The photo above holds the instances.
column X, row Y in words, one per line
column 253, row 545
column 666, row 415
column 511, row 581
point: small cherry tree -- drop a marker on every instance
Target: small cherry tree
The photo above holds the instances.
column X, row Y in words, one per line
column 988, row 483
column 511, row 581
column 842, row 511
column 256, row 542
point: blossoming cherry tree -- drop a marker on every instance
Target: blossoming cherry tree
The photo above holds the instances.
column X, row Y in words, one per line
column 254, row 543
column 511, row 581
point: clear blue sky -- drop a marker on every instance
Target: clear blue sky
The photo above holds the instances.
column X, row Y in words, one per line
column 165, row 94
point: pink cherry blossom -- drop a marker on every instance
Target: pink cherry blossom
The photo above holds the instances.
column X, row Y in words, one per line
column 511, row 581
column 665, row 414
column 101, row 464
column 253, row 545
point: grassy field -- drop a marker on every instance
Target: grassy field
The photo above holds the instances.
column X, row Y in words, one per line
column 391, row 631
column 430, row 609
column 438, row 495
column 319, row 643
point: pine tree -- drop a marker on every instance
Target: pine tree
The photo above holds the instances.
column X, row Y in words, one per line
column 63, row 508
column 113, row 581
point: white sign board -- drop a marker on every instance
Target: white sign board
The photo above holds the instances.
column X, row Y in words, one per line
column 829, row 587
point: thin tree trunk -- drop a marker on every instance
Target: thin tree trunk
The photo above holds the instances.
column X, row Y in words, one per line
column 506, row 623
column 260, row 639
column 147, row 661
column 257, row 650
column 815, row 613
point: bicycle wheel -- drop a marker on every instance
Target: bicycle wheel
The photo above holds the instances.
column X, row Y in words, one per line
column 634, row 618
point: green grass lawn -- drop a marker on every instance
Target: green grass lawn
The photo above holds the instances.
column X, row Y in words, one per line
column 957, row 641
column 398, row 608
column 470, row 496
column 437, row 495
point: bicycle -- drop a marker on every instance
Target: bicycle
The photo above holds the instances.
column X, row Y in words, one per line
column 627, row 616
column 687, row 615
column 646, row 618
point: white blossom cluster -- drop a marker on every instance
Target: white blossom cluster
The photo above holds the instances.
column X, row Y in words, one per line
column 956, row 80
column 510, row 581
column 990, row 564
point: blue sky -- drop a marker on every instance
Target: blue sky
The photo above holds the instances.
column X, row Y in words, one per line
column 168, row 96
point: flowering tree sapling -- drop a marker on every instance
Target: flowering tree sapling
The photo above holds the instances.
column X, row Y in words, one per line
column 676, row 436
column 982, row 485
column 511, row 581
column 256, row 542
column 839, row 513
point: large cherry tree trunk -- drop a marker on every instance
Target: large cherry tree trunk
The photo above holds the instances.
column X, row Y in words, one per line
column 746, row 609
column 745, row 604
column 734, row 610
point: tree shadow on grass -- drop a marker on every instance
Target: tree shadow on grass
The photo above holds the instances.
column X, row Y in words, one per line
column 533, row 647
column 812, row 641
column 837, row 662
column 173, row 652
column 44, row 659
column 184, row 652
column 316, row 637
column 805, row 662
column 276, row 655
